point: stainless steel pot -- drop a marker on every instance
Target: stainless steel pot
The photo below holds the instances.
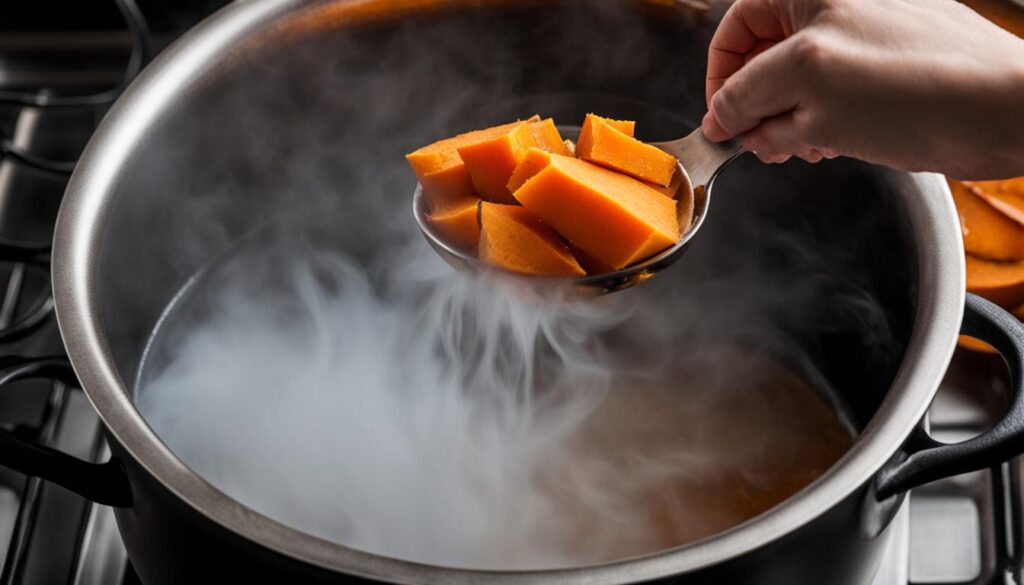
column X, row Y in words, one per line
column 183, row 167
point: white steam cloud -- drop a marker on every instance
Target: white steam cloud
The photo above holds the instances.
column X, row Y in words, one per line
column 462, row 421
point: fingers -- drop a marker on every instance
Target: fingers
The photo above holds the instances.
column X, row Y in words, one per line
column 792, row 134
column 747, row 25
column 766, row 86
column 811, row 156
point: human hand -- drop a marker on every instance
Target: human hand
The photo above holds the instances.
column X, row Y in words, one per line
column 913, row 84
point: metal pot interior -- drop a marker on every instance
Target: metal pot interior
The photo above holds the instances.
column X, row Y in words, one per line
column 297, row 137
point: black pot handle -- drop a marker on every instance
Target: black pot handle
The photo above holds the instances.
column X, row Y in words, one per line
column 104, row 483
column 930, row 460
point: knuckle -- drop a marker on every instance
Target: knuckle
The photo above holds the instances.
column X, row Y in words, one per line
column 810, row 50
column 726, row 107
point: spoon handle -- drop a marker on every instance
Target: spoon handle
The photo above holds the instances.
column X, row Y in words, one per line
column 702, row 158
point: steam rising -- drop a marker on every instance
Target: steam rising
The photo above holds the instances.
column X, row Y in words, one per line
column 466, row 420
column 329, row 371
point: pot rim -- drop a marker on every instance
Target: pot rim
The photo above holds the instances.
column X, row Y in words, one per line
column 78, row 239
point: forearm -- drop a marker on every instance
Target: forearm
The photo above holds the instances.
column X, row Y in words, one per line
column 1013, row 160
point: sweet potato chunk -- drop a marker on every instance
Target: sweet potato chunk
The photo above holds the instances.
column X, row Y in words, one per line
column 533, row 163
column 447, row 186
column 1000, row 282
column 672, row 188
column 458, row 222
column 603, row 144
column 593, row 266
column 1006, row 196
column 441, row 170
column 515, row 239
column 615, row 219
column 585, row 141
column 547, row 137
column 492, row 161
column 444, row 154
column 987, row 232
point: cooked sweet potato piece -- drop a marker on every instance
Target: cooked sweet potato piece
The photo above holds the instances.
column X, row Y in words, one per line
column 603, row 144
column 593, row 266
column 672, row 188
column 533, row 163
column 547, row 137
column 987, row 232
column 513, row 238
column 615, row 219
column 1006, row 196
column 458, row 222
column 1000, row 282
column 447, row 186
column 441, row 170
column 444, row 154
column 492, row 161
column 585, row 141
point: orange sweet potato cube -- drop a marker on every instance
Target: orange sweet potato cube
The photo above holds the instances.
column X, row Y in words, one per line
column 585, row 141
column 593, row 266
column 602, row 143
column 444, row 154
column 458, row 222
column 515, row 239
column 547, row 137
column 672, row 189
column 492, row 161
column 441, row 170
column 444, row 187
column 533, row 163
column 614, row 218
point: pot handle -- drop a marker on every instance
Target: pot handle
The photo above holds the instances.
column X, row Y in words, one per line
column 930, row 460
column 103, row 483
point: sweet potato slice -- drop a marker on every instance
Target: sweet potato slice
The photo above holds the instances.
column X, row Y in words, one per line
column 513, row 238
column 547, row 137
column 615, row 219
column 458, row 222
column 1007, row 196
column 441, row 170
column 603, row 144
column 1000, row 282
column 987, row 232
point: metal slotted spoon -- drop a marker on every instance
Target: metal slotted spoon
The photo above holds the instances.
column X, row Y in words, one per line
column 700, row 161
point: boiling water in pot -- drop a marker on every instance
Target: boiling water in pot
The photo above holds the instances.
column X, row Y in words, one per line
column 408, row 411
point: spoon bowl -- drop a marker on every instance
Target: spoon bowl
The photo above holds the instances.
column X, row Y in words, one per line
column 700, row 161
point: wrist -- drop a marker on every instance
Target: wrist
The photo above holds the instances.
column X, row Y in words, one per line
column 1015, row 108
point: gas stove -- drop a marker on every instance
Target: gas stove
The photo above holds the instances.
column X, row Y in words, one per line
column 964, row 530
